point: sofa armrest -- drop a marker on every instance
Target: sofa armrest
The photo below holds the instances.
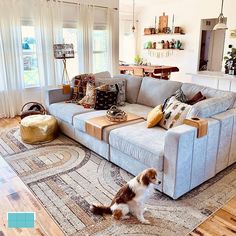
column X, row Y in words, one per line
column 55, row 95
column 188, row 160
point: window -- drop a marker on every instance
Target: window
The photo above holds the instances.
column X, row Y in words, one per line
column 72, row 64
column 100, row 52
column 31, row 72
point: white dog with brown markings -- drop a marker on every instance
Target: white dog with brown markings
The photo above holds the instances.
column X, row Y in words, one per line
column 131, row 197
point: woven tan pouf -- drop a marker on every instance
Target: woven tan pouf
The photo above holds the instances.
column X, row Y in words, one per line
column 37, row 129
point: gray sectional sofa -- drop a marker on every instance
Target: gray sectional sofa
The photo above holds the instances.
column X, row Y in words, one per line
column 183, row 161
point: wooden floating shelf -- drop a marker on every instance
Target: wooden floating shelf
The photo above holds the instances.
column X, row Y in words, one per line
column 163, row 49
column 163, row 34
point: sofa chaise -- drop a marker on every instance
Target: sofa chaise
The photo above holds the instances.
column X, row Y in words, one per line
column 183, row 161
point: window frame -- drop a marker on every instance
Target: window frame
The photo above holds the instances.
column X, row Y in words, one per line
column 24, row 23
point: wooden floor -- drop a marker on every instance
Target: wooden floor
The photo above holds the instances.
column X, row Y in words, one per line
column 221, row 223
column 15, row 196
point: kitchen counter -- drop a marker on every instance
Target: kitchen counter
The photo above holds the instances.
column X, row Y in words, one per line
column 213, row 79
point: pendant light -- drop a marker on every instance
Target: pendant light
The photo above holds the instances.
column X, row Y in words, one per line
column 133, row 27
column 221, row 25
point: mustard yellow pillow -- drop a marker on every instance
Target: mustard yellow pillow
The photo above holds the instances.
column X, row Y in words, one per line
column 154, row 116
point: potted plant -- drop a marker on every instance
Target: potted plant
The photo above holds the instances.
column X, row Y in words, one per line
column 138, row 60
column 230, row 61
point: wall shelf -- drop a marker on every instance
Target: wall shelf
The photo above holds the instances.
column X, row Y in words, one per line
column 164, row 34
column 157, row 49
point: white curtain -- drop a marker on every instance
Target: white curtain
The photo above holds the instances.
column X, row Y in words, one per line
column 47, row 17
column 48, row 22
column 112, row 41
column 11, row 71
column 85, row 29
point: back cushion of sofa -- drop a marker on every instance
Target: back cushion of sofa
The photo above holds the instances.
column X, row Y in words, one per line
column 191, row 89
column 211, row 106
column 133, row 85
column 110, row 81
column 217, row 100
column 154, row 91
column 103, row 74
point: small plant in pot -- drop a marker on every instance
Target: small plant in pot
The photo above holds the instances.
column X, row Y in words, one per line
column 230, row 61
column 138, row 60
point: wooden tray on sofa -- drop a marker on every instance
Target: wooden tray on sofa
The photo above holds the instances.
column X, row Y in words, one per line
column 95, row 126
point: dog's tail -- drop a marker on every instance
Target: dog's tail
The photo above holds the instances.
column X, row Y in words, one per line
column 100, row 210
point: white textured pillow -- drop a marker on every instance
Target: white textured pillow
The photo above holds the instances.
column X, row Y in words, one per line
column 174, row 113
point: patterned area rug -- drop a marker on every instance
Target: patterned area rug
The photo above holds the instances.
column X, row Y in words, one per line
column 67, row 178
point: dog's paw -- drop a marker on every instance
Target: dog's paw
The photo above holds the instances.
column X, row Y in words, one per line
column 145, row 210
column 125, row 217
column 144, row 221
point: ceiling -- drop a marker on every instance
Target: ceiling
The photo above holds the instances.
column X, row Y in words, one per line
column 127, row 5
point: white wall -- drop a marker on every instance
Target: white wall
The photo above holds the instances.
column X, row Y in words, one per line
column 188, row 14
column 127, row 39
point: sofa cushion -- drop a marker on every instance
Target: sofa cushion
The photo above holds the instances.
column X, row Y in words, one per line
column 109, row 81
column 103, row 74
column 154, row 92
column 144, row 145
column 217, row 100
column 80, row 120
column 66, row 111
column 191, row 89
column 133, row 85
column 137, row 109
column 211, row 106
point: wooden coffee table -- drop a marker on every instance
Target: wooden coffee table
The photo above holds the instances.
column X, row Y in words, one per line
column 96, row 125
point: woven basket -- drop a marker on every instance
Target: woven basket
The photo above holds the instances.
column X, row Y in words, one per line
column 32, row 108
column 115, row 114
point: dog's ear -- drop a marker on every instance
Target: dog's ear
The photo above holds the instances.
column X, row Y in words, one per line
column 145, row 179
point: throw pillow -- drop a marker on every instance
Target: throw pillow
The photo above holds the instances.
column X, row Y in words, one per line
column 106, row 99
column 154, row 116
column 79, row 86
column 121, row 94
column 174, row 113
column 104, row 87
column 179, row 95
column 88, row 100
column 196, row 98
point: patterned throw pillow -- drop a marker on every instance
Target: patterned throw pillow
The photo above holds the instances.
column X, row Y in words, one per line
column 179, row 95
column 80, row 84
column 88, row 100
column 121, row 94
column 174, row 113
column 106, row 99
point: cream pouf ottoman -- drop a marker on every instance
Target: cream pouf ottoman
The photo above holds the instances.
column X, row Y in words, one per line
column 37, row 129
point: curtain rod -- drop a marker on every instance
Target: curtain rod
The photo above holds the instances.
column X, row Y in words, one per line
column 75, row 3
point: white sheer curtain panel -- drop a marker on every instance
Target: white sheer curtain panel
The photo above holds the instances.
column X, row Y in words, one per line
column 11, row 60
column 85, row 29
column 113, row 41
column 48, row 22
column 41, row 22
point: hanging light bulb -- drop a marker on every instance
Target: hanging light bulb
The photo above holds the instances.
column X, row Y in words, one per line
column 221, row 25
column 133, row 27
